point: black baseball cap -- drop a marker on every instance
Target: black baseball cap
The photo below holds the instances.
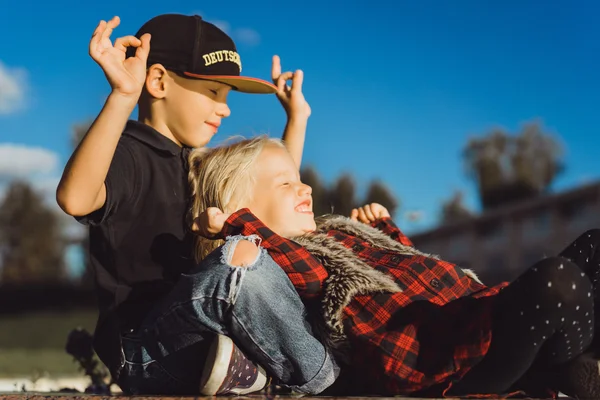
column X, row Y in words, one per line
column 194, row 48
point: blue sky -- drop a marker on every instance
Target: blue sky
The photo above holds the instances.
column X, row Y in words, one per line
column 396, row 88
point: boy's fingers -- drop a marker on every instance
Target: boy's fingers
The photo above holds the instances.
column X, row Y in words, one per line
column 282, row 80
column 99, row 27
column 124, row 42
column 96, row 36
column 144, row 49
column 354, row 214
column 297, row 81
column 112, row 24
column 276, row 69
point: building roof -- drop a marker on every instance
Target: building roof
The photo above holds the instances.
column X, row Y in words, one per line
column 524, row 207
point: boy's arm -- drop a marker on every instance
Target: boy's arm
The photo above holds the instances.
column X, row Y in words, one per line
column 305, row 272
column 82, row 188
column 296, row 107
column 294, row 136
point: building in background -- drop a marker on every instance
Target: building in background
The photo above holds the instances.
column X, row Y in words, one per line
column 502, row 243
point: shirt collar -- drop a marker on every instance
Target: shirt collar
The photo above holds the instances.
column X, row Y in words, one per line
column 151, row 137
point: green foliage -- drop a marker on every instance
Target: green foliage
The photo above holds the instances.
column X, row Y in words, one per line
column 34, row 344
column 31, row 241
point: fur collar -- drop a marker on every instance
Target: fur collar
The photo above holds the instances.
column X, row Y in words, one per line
column 349, row 276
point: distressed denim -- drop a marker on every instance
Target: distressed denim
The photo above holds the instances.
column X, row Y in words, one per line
column 255, row 305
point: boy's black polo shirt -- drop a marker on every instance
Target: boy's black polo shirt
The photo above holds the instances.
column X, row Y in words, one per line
column 139, row 241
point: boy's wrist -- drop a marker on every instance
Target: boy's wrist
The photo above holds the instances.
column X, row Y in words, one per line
column 123, row 100
column 297, row 119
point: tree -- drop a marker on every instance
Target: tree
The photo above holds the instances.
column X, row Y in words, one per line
column 31, row 241
column 509, row 168
column 340, row 198
column 378, row 192
column 343, row 195
column 454, row 209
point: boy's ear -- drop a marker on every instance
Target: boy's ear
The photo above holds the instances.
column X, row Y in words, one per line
column 156, row 81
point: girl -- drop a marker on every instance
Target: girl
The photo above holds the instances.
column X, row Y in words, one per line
column 400, row 321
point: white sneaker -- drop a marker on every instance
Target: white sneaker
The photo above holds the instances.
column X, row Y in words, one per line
column 228, row 371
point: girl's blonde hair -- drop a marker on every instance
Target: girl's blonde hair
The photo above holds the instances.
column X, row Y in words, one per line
column 223, row 177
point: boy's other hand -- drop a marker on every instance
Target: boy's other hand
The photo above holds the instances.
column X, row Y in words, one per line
column 126, row 76
column 291, row 97
column 210, row 222
column 369, row 213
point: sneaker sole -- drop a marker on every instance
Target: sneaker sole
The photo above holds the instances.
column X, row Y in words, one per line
column 219, row 357
column 259, row 384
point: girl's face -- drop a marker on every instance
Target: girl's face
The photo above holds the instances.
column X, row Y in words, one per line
column 280, row 200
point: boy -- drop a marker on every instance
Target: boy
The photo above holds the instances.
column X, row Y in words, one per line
column 127, row 180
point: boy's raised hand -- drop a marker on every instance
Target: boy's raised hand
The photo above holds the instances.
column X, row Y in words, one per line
column 369, row 213
column 125, row 75
column 210, row 222
column 291, row 97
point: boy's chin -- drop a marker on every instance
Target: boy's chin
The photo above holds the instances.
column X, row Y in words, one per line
column 196, row 140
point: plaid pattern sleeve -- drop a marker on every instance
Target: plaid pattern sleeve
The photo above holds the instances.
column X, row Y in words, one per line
column 387, row 226
column 306, row 273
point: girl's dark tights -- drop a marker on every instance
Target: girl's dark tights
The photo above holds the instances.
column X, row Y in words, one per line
column 541, row 320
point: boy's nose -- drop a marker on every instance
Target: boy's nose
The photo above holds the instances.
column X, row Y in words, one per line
column 223, row 110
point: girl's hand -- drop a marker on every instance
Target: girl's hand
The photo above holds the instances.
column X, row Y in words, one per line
column 210, row 222
column 369, row 213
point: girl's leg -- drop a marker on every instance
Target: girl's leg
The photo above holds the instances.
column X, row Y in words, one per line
column 545, row 318
column 584, row 252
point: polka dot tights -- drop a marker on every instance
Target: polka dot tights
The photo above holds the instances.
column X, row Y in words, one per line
column 584, row 252
column 541, row 320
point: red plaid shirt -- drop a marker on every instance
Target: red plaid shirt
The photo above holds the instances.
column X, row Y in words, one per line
column 402, row 343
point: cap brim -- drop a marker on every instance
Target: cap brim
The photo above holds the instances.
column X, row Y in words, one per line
column 242, row 84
